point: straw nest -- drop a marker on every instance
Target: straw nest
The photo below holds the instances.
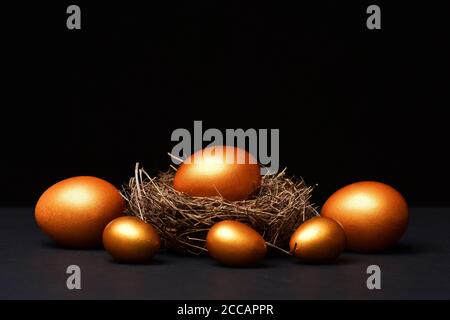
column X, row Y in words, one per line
column 278, row 207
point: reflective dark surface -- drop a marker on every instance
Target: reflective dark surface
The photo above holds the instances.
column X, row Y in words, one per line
column 32, row 267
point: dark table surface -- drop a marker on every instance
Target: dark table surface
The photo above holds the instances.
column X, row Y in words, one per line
column 31, row 267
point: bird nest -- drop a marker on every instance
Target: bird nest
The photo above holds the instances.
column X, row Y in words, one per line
column 277, row 208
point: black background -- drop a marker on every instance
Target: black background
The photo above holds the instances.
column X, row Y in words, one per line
column 351, row 103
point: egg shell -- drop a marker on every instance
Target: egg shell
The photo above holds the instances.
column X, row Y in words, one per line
column 218, row 171
column 373, row 215
column 233, row 243
column 129, row 239
column 74, row 212
column 318, row 240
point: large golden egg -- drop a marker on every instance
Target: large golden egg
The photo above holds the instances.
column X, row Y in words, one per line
column 74, row 212
column 226, row 171
column 318, row 240
column 129, row 239
column 374, row 215
column 235, row 244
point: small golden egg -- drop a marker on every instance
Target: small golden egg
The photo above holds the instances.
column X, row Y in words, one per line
column 318, row 240
column 374, row 215
column 225, row 171
column 233, row 243
column 74, row 212
column 129, row 239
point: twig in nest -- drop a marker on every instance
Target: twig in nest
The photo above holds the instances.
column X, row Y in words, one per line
column 279, row 206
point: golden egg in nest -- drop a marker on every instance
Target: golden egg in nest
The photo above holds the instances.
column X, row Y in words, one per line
column 129, row 239
column 374, row 215
column 234, row 243
column 74, row 212
column 318, row 240
column 225, row 171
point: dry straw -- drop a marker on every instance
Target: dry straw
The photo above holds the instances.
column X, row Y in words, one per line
column 280, row 205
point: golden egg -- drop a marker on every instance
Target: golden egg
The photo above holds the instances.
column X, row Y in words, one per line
column 235, row 244
column 74, row 212
column 374, row 215
column 226, row 171
column 318, row 240
column 129, row 239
